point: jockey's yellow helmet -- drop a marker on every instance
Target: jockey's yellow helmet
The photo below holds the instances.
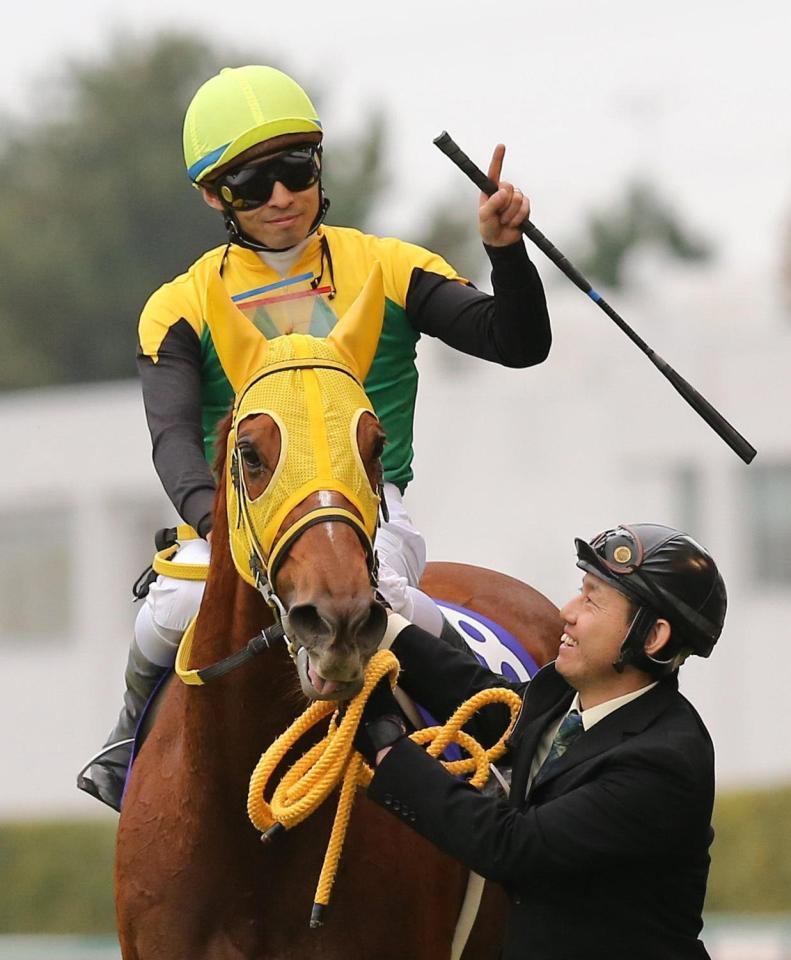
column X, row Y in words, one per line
column 239, row 108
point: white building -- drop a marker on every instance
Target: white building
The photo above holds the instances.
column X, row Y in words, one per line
column 79, row 501
column 510, row 465
column 597, row 436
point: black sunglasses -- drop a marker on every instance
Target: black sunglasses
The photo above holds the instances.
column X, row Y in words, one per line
column 251, row 186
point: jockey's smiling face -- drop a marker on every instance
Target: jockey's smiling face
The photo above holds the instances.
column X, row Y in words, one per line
column 285, row 219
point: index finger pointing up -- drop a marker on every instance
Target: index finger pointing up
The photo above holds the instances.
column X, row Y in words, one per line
column 496, row 165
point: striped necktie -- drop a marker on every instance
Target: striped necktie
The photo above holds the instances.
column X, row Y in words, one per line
column 567, row 733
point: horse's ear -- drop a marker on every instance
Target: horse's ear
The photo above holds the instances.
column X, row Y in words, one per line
column 240, row 345
column 357, row 333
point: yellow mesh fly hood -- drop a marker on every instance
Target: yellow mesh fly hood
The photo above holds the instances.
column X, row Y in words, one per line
column 312, row 389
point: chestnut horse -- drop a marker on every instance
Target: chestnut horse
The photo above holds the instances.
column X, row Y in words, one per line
column 192, row 880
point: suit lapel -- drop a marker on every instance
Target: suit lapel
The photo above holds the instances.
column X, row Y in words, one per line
column 628, row 720
column 547, row 697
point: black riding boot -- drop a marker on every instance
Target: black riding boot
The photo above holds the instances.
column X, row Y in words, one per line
column 105, row 773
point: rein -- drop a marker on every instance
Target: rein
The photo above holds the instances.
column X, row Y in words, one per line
column 267, row 638
column 164, row 564
column 258, row 644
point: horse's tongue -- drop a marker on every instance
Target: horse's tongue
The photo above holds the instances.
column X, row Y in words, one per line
column 325, row 687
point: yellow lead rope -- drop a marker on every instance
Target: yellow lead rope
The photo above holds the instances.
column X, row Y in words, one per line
column 311, row 779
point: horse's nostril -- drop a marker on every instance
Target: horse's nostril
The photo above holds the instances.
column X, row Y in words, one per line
column 372, row 625
column 359, row 625
column 308, row 624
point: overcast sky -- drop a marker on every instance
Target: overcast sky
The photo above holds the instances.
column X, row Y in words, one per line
column 693, row 94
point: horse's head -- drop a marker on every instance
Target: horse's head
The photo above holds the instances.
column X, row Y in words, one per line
column 303, row 477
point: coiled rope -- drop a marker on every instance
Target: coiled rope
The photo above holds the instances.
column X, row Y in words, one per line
column 333, row 760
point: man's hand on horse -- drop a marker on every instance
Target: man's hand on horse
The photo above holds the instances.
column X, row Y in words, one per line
column 381, row 725
column 500, row 215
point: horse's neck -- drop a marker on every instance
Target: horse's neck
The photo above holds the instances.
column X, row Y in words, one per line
column 231, row 613
column 225, row 725
column 256, row 700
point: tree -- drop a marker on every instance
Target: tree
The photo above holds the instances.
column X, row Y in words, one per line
column 452, row 232
column 98, row 211
column 354, row 176
column 642, row 219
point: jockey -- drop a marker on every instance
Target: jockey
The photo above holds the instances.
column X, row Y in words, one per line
column 253, row 148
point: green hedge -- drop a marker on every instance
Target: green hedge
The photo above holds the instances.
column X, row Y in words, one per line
column 57, row 877
column 751, row 856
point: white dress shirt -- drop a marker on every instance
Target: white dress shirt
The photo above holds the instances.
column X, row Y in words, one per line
column 590, row 718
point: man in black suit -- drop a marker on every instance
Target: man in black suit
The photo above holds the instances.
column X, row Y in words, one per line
column 603, row 843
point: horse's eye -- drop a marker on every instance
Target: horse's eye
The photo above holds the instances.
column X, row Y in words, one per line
column 250, row 456
column 378, row 448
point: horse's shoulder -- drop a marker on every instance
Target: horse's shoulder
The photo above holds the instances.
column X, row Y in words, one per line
column 513, row 604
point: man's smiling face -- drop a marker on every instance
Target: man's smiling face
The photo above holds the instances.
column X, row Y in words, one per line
column 596, row 623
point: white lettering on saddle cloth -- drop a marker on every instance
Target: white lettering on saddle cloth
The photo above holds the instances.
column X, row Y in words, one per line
column 495, row 647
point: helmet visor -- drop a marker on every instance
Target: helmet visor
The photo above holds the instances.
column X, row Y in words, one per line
column 252, row 185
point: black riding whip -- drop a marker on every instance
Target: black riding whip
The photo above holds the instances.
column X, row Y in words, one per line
column 699, row 404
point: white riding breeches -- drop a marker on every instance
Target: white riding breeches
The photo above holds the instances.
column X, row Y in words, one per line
column 402, row 559
column 171, row 604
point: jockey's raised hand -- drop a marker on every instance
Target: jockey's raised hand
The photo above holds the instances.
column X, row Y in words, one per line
column 500, row 215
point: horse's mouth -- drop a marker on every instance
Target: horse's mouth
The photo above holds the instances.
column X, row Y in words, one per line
column 316, row 687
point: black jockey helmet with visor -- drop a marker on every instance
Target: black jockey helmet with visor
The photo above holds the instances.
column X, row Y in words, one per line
column 251, row 186
column 667, row 575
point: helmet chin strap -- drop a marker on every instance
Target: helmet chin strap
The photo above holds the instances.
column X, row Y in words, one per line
column 241, row 239
column 633, row 648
